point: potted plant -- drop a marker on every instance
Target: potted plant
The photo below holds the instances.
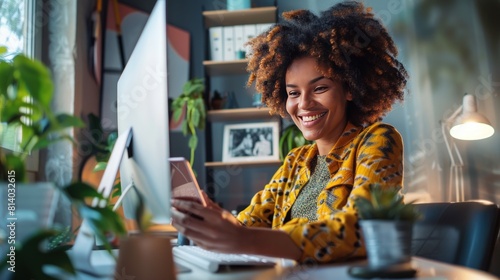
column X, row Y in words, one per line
column 291, row 138
column 191, row 104
column 25, row 96
column 99, row 145
column 386, row 223
column 217, row 101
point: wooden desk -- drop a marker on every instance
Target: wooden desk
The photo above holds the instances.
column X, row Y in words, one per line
column 427, row 269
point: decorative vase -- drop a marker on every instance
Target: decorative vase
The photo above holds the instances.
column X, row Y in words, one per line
column 145, row 256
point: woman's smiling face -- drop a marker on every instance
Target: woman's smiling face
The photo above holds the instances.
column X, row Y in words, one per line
column 316, row 103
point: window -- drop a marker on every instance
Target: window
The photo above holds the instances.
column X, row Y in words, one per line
column 17, row 33
column 12, row 25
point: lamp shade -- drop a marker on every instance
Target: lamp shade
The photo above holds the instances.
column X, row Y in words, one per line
column 471, row 125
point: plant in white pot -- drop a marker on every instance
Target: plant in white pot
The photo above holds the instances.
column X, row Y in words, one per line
column 387, row 224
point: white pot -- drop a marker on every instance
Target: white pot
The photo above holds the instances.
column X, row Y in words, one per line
column 388, row 243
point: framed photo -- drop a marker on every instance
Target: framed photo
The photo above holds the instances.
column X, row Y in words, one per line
column 251, row 141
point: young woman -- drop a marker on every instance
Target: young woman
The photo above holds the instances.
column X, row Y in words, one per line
column 336, row 76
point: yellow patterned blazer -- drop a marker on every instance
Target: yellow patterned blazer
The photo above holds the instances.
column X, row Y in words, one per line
column 361, row 156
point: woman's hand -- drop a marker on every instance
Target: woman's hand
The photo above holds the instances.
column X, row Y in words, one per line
column 215, row 229
column 210, row 227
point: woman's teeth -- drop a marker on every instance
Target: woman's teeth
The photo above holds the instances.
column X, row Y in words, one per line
column 312, row 118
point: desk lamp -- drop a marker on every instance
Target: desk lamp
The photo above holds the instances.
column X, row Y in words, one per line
column 466, row 124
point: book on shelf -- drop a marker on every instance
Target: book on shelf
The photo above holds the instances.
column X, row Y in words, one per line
column 239, row 40
column 249, row 32
column 228, row 37
column 216, row 43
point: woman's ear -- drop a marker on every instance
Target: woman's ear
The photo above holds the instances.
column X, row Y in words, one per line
column 348, row 96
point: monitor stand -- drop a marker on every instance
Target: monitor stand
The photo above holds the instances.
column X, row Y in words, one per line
column 81, row 253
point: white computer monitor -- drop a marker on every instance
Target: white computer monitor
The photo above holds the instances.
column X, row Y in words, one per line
column 142, row 105
column 141, row 151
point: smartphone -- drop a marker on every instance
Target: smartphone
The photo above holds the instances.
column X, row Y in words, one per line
column 184, row 184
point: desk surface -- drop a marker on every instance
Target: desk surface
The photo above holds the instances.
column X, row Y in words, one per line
column 426, row 269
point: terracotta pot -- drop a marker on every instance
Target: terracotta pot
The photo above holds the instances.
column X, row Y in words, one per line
column 145, row 256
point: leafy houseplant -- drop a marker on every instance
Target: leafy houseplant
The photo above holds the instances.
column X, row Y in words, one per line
column 191, row 103
column 25, row 96
column 387, row 224
column 386, row 204
column 291, row 138
column 31, row 255
column 101, row 146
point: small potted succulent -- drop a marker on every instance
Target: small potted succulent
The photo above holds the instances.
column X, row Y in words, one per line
column 387, row 224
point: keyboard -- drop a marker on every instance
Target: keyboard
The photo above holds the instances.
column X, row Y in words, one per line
column 212, row 261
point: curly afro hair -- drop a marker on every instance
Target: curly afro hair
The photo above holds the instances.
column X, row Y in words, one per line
column 354, row 48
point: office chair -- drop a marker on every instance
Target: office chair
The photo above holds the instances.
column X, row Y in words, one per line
column 460, row 233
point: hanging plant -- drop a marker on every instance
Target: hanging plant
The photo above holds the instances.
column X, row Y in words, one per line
column 191, row 103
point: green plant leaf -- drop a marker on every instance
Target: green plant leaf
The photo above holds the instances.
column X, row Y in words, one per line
column 385, row 203
column 193, row 141
column 177, row 113
column 100, row 166
column 79, row 191
column 291, row 138
column 7, row 74
column 177, row 103
column 36, row 77
column 31, row 257
column 195, row 117
column 112, row 140
column 102, row 221
column 117, row 190
column 11, row 111
column 45, row 142
column 185, row 128
column 12, row 162
column 67, row 121
column 47, row 125
column 200, row 105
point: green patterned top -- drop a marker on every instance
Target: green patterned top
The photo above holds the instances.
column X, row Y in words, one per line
column 303, row 208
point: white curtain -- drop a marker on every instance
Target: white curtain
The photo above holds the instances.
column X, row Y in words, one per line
column 61, row 36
